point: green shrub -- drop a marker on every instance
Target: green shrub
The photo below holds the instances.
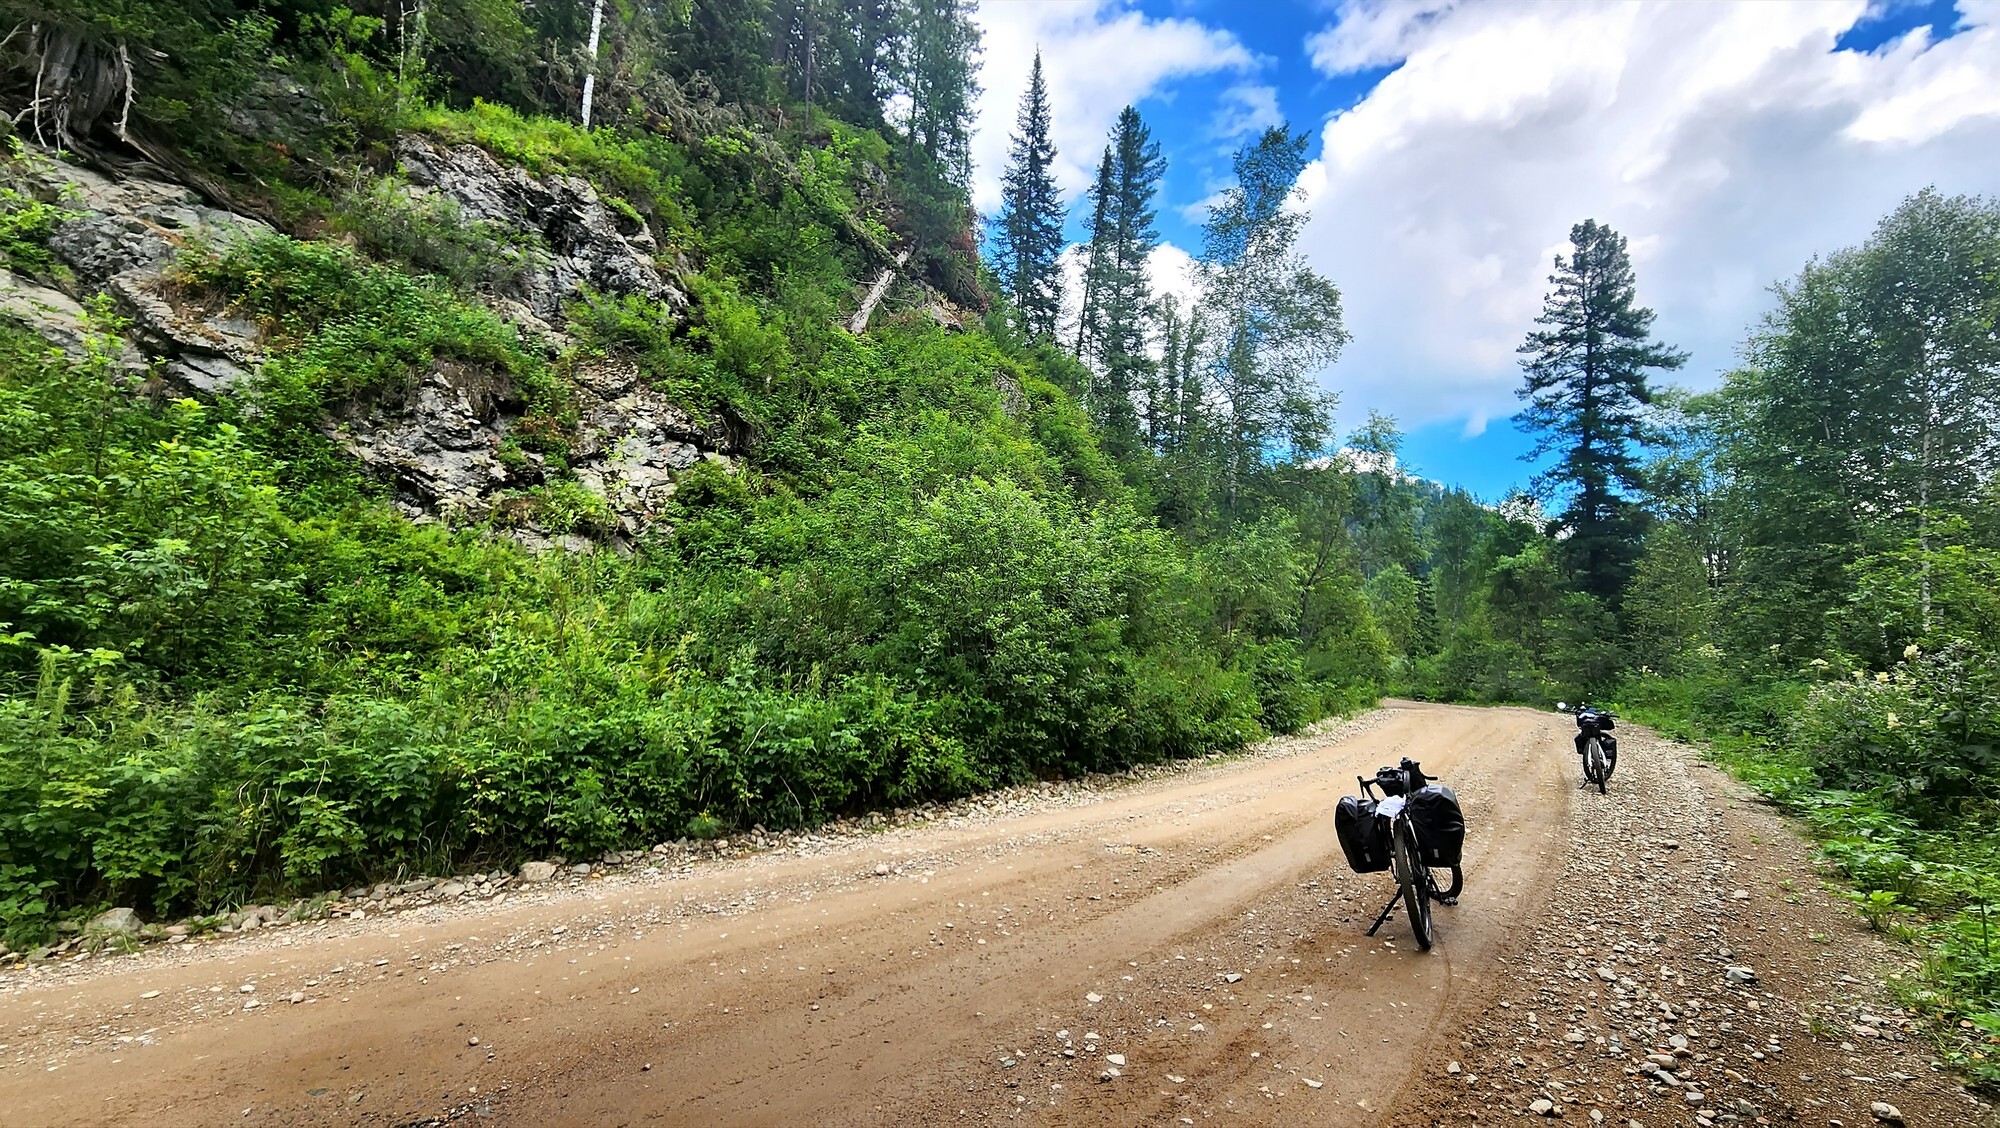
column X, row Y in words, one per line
column 1926, row 733
column 25, row 227
column 432, row 234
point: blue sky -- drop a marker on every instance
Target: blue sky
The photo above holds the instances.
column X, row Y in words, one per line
column 1455, row 144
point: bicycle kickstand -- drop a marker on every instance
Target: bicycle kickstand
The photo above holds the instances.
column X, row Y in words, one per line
column 1386, row 910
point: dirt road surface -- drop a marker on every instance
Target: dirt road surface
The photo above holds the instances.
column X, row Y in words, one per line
column 1185, row 949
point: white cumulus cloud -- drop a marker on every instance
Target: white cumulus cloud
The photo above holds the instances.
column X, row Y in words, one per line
column 1728, row 142
column 1247, row 108
column 1098, row 56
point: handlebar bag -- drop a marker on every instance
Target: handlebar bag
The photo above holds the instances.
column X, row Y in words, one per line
column 1440, row 825
column 1364, row 838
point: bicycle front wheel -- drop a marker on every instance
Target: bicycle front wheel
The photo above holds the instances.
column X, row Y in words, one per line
column 1594, row 757
column 1415, row 878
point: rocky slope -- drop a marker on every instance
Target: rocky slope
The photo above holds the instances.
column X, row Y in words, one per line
column 436, row 440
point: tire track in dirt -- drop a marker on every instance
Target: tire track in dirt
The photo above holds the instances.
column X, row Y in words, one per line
column 830, row 995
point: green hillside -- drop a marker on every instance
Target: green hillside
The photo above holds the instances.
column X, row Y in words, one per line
column 236, row 667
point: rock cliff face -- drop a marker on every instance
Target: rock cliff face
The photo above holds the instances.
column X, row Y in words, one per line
column 589, row 244
column 119, row 240
column 437, row 440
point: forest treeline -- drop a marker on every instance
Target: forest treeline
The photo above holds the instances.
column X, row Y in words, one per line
column 1097, row 528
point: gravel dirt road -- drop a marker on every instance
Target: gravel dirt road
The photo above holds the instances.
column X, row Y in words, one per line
column 1186, row 948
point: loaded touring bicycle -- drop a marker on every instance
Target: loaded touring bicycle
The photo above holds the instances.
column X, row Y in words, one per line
column 1412, row 828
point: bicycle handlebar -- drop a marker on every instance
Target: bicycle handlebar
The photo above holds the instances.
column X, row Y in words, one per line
column 1408, row 774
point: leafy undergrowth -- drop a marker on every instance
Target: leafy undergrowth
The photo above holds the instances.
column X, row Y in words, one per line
column 229, row 688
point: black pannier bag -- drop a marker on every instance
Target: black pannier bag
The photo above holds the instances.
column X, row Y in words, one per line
column 1439, row 824
column 1364, row 838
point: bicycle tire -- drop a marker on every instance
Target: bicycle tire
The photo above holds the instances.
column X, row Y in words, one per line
column 1414, row 877
column 1593, row 760
column 1451, row 892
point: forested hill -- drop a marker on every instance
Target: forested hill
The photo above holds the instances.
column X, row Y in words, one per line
column 405, row 475
column 421, row 479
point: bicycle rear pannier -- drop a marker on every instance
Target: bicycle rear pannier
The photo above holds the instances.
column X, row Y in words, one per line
column 1439, row 824
column 1364, row 838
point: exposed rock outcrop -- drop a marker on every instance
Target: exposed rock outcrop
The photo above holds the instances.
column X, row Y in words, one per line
column 119, row 240
column 633, row 442
column 590, row 244
column 440, row 441
column 442, row 437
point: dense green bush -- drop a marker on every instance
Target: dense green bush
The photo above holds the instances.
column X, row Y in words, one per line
column 218, row 689
column 1924, row 734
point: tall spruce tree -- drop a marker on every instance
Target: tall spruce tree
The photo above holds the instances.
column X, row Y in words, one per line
column 725, row 42
column 1586, row 391
column 1096, row 254
column 941, row 56
column 1030, row 235
column 1118, row 305
column 839, row 55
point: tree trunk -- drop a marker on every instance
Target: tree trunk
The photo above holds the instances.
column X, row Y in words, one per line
column 859, row 324
column 590, row 76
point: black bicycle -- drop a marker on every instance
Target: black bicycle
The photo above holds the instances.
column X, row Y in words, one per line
column 1598, row 749
column 1416, row 856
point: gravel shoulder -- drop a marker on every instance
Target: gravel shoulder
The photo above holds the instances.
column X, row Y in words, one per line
column 1181, row 947
column 1691, row 968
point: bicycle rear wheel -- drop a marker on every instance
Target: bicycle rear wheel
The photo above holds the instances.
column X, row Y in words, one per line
column 1593, row 760
column 1448, row 893
column 1415, row 880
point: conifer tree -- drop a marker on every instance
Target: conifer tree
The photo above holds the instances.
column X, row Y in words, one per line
column 941, row 55
column 1118, row 303
column 1586, row 390
column 1030, row 236
column 1090, row 318
column 838, row 54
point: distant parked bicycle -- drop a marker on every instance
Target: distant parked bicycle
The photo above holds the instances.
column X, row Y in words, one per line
column 1595, row 745
column 1412, row 829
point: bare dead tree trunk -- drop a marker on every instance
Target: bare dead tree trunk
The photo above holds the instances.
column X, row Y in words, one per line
column 125, row 109
column 590, row 76
column 859, row 324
